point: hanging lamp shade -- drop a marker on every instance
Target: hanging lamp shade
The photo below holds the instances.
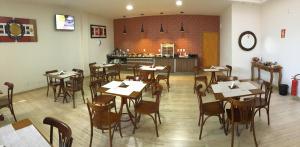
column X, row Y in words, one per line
column 161, row 28
column 142, row 28
column 181, row 28
column 124, row 30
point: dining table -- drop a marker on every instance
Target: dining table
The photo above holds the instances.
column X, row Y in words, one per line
column 126, row 89
column 61, row 76
column 22, row 133
column 212, row 70
column 104, row 66
column 152, row 70
column 235, row 89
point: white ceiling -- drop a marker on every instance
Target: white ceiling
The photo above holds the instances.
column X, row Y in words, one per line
column 116, row 8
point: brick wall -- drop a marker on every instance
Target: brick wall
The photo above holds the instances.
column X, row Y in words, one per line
column 150, row 40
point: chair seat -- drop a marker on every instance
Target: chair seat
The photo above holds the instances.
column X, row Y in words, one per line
column 103, row 99
column 146, row 107
column 213, row 108
column 237, row 117
column 101, row 121
column 161, row 76
column 259, row 102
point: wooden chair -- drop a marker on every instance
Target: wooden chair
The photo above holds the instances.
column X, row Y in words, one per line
column 263, row 102
column 209, row 109
column 76, row 84
column 165, row 76
column 51, row 82
column 228, row 73
column 199, row 78
column 101, row 99
column 79, row 72
column 102, row 118
column 9, row 101
column 241, row 112
column 114, row 73
column 64, row 132
column 135, row 71
column 150, row 107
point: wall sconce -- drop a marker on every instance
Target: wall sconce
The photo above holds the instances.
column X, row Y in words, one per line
column 142, row 28
column 124, row 30
column 181, row 28
column 161, row 29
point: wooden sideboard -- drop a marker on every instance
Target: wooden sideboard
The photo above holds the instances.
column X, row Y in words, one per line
column 271, row 69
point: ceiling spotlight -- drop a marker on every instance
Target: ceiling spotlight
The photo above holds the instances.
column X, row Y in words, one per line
column 129, row 7
column 178, row 2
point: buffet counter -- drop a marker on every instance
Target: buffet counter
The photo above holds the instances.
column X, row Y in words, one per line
column 177, row 64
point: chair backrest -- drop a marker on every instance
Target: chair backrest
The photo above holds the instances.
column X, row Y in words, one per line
column 10, row 91
column 135, row 70
column 157, row 90
column 199, row 95
column 100, row 115
column 243, row 109
column 49, row 79
column 168, row 69
column 77, row 82
column 229, row 70
column 64, row 131
column 196, row 70
column 268, row 88
column 94, row 85
column 226, row 78
column 144, row 75
column 91, row 65
column 79, row 71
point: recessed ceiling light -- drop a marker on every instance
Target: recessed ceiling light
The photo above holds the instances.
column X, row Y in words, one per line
column 129, row 7
column 178, row 2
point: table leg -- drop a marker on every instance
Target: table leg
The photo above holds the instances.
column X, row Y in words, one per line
column 124, row 102
column 62, row 91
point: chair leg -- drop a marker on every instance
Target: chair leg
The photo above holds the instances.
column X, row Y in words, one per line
column 199, row 119
column 120, row 131
column 168, row 84
column 12, row 112
column 73, row 97
column 232, row 134
column 155, row 122
column 268, row 115
column 201, row 125
column 91, row 139
column 223, row 123
column 158, row 117
column 82, row 93
column 47, row 90
column 254, row 133
column 110, row 137
column 135, row 119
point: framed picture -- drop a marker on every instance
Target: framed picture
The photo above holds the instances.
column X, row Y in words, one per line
column 98, row 31
column 17, row 29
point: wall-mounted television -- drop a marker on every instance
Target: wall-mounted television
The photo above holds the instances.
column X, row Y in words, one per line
column 64, row 22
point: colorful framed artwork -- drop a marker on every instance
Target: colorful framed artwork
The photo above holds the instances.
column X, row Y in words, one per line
column 98, row 31
column 17, row 30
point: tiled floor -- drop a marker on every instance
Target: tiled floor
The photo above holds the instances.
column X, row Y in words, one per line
column 179, row 114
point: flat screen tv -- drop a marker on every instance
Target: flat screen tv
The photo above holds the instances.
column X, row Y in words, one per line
column 64, row 22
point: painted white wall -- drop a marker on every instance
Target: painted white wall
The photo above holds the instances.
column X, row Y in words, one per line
column 245, row 17
column 24, row 63
column 277, row 15
column 226, row 37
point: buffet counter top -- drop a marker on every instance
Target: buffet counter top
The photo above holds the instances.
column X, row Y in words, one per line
column 176, row 57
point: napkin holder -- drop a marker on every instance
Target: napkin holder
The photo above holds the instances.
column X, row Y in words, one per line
column 123, row 85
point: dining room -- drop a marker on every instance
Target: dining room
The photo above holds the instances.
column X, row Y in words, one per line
column 149, row 73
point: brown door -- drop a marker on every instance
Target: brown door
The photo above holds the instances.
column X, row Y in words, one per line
column 210, row 49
